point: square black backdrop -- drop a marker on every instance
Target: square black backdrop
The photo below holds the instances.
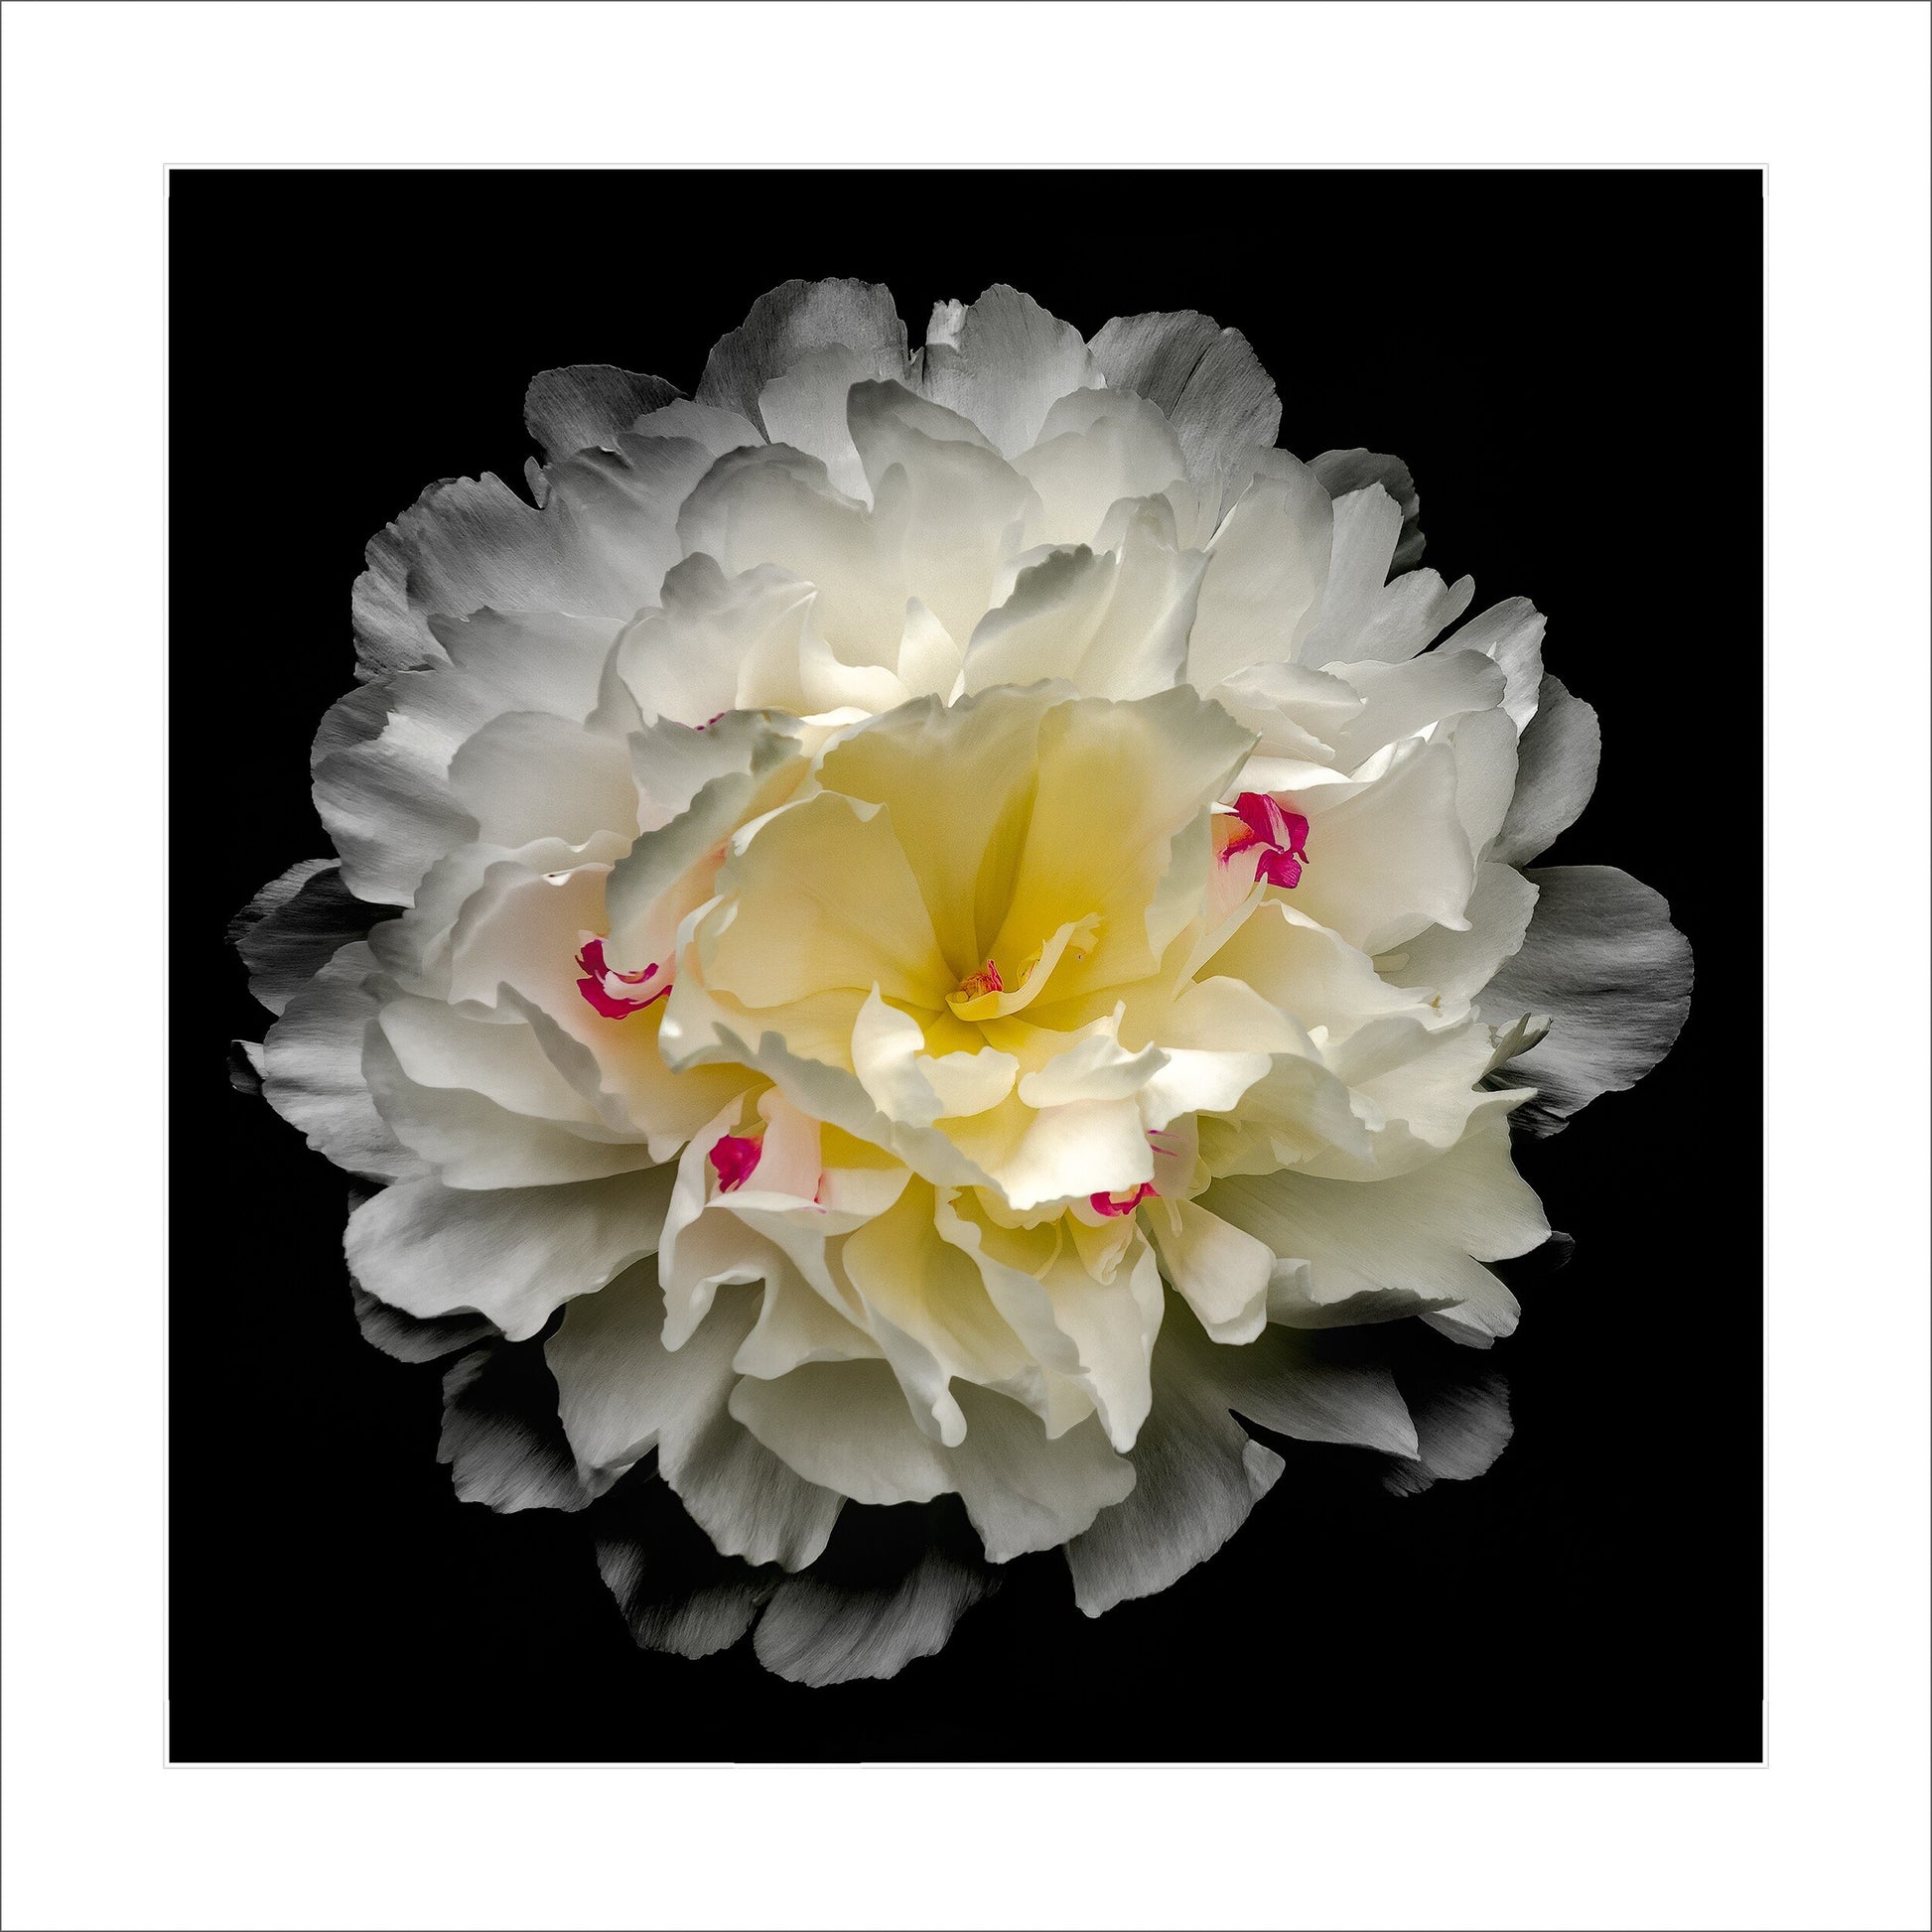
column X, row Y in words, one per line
column 1570, row 363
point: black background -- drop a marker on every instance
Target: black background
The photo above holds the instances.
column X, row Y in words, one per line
column 1571, row 364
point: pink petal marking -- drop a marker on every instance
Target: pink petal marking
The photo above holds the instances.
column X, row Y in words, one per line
column 604, row 984
column 986, row 980
column 734, row 1156
column 1112, row 1204
column 1282, row 836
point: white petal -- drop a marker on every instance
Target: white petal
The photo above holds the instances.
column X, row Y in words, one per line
column 1406, row 699
column 1307, row 971
column 620, row 1394
column 1003, row 362
column 1484, row 744
column 1555, row 772
column 1096, row 447
column 946, row 504
column 1343, row 472
column 718, row 430
column 805, row 407
column 501, row 1436
column 1218, row 1036
column 1113, row 625
column 817, row 1632
column 775, row 509
column 846, row 1427
column 589, row 405
column 1289, row 1383
column 1392, row 860
column 513, row 1254
column 312, row 1070
column 526, row 661
column 1461, row 1426
column 526, row 775
column 1604, row 961
column 291, row 929
column 472, row 1142
column 1208, row 379
column 379, row 769
column 1267, row 567
column 1364, row 614
column 1458, row 965
column 1197, row 1473
column 1022, row 1491
column 1373, row 1248
column 925, row 1305
column 1094, row 1065
column 1512, row 634
column 790, row 323
column 716, row 644
column 1082, row 1328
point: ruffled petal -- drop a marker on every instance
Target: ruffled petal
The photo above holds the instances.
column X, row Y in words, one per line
column 501, row 1436
column 1604, row 961
column 794, row 321
column 1268, row 563
column 513, row 1254
column 1206, row 378
column 623, row 1394
column 291, row 929
column 1367, row 1250
column 588, row 404
column 312, row 1069
column 1196, row 1476
column 1343, row 472
column 1001, row 363
column 1555, row 772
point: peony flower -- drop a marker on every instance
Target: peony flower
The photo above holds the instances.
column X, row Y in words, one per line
column 917, row 925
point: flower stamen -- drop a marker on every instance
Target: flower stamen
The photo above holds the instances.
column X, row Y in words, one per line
column 1122, row 1202
column 986, row 980
column 732, row 1158
column 1280, row 835
column 603, row 986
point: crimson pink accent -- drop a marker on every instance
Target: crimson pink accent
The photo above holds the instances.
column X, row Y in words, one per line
column 1282, row 835
column 602, row 985
column 734, row 1156
column 709, row 722
column 1112, row 1204
column 986, row 980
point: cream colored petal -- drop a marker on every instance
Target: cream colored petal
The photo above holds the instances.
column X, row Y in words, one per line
column 1370, row 1249
column 1222, row 1273
column 1119, row 784
column 820, row 896
column 962, row 836
column 1393, row 859
column 924, row 1304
